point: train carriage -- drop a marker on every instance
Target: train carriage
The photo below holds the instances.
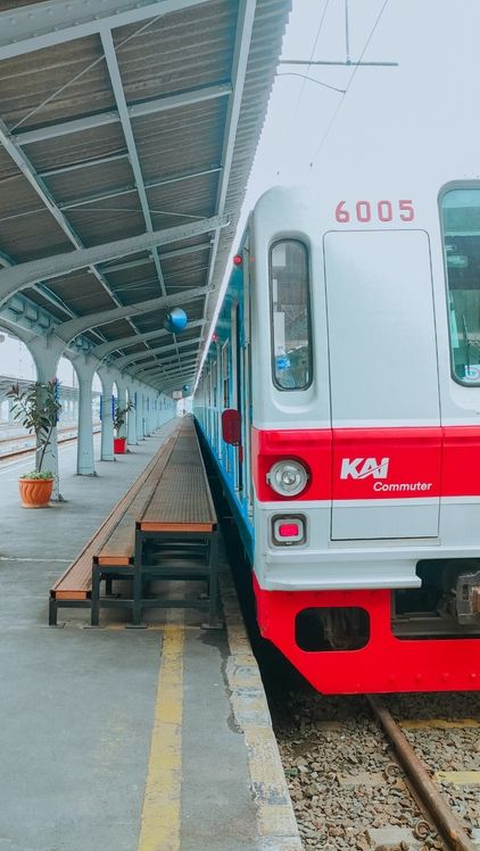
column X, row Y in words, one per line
column 341, row 401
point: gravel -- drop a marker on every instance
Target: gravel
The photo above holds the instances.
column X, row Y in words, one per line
column 346, row 787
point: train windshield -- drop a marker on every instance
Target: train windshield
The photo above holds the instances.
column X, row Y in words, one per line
column 461, row 230
column 290, row 313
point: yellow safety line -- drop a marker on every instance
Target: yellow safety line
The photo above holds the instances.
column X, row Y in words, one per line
column 458, row 778
column 440, row 724
column 160, row 827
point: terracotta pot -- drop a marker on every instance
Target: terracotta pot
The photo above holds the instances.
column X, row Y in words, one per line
column 35, row 493
column 119, row 445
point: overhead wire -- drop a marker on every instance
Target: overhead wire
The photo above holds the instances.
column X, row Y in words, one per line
column 312, row 80
column 317, row 36
column 342, row 99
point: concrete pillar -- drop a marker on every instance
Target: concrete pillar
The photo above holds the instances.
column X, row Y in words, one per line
column 139, row 413
column 46, row 352
column 107, row 379
column 85, row 368
column 132, row 420
column 148, row 415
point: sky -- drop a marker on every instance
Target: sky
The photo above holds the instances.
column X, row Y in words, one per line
column 391, row 118
column 394, row 124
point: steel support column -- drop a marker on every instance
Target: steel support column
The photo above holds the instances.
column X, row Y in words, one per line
column 85, row 369
column 107, row 379
column 132, row 439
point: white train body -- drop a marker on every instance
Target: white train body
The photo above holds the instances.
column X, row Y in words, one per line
column 362, row 331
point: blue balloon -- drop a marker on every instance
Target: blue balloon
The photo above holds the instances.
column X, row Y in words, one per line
column 176, row 320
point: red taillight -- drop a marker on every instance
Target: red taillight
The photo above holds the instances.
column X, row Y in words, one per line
column 288, row 530
column 237, row 260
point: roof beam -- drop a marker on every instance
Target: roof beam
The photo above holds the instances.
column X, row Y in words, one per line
column 67, row 331
column 23, row 163
column 161, row 373
column 164, row 387
column 120, row 100
column 245, row 22
column 158, row 370
column 52, row 22
column 167, row 255
column 127, row 190
column 134, row 357
column 27, row 274
column 106, row 349
column 136, row 110
column 87, row 163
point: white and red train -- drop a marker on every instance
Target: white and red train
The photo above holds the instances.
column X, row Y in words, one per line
column 341, row 401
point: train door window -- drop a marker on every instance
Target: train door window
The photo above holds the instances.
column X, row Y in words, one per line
column 461, row 233
column 226, row 392
column 237, row 388
column 290, row 315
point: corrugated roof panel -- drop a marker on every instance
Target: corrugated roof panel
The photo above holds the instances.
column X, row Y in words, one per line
column 39, row 236
column 64, row 81
column 113, row 219
column 82, row 291
column 75, row 148
column 172, row 142
column 178, row 51
column 197, row 197
column 84, row 183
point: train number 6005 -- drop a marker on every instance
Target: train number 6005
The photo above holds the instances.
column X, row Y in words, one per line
column 382, row 211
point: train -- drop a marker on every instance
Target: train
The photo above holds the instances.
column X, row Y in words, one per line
column 340, row 402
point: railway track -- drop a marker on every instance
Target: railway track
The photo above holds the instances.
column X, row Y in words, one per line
column 400, row 774
column 12, row 447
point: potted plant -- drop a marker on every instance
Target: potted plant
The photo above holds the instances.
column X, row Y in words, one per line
column 36, row 408
column 120, row 443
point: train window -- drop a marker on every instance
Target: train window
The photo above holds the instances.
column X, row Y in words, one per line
column 290, row 315
column 461, row 233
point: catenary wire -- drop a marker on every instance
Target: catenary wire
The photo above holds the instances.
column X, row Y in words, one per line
column 342, row 99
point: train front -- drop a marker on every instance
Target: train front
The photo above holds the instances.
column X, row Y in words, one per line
column 365, row 451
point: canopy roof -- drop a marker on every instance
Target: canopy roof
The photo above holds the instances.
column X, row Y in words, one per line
column 127, row 135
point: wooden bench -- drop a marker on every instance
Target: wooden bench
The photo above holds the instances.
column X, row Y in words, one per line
column 74, row 586
column 173, row 527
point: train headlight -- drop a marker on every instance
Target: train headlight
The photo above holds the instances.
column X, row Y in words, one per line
column 288, row 478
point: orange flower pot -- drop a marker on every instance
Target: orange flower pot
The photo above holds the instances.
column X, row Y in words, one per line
column 119, row 445
column 35, row 493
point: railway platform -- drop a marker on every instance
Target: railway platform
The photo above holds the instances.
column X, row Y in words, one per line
column 156, row 739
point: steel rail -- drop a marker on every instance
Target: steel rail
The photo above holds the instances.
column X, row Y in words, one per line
column 25, row 450
column 442, row 816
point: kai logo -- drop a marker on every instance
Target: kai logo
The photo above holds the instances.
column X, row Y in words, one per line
column 361, row 468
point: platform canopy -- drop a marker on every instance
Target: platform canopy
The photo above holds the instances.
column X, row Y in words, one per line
column 127, row 135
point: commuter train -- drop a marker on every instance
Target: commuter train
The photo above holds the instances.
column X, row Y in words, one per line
column 340, row 399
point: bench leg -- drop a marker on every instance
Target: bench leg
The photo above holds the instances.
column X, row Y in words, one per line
column 95, row 609
column 137, row 582
column 52, row 612
column 213, row 580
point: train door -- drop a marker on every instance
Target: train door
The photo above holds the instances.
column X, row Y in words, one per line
column 236, row 391
column 246, row 383
column 384, row 385
column 225, row 401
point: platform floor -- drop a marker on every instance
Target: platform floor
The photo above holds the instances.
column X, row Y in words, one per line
column 118, row 739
